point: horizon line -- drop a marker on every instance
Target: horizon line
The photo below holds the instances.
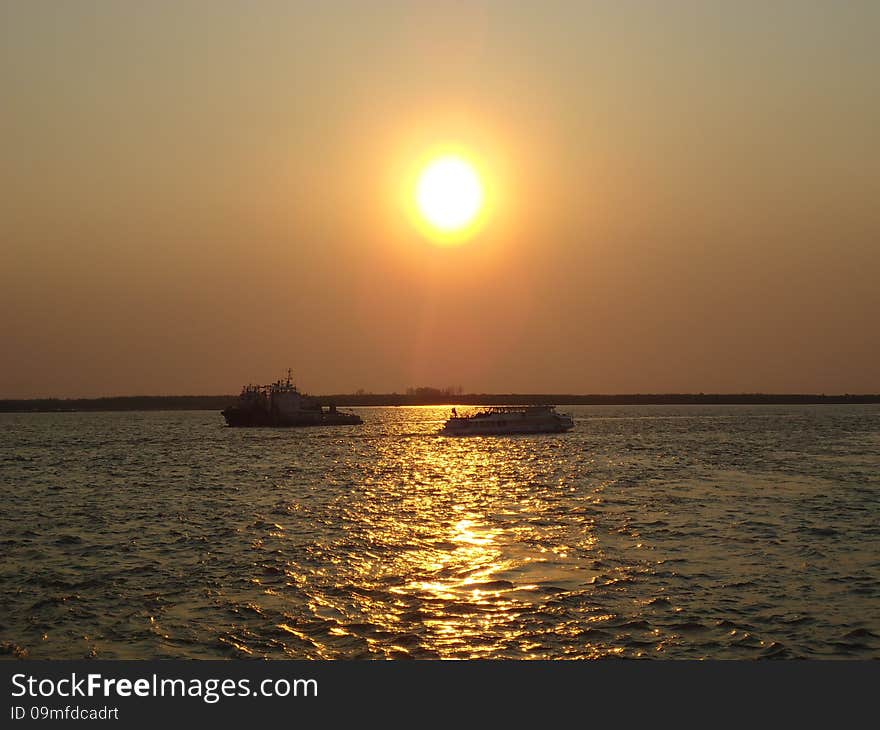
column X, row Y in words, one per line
column 438, row 393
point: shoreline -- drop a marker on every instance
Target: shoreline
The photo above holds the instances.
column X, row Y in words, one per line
column 218, row 402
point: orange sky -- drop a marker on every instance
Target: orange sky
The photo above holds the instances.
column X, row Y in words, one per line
column 200, row 195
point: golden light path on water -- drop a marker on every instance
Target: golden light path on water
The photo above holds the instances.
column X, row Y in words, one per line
column 455, row 550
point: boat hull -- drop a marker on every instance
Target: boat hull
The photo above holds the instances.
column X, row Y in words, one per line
column 256, row 418
column 472, row 427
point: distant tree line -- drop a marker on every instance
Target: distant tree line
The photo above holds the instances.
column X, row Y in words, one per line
column 121, row 403
column 428, row 392
column 454, row 396
column 425, row 396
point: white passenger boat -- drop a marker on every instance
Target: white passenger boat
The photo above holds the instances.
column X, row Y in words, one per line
column 505, row 420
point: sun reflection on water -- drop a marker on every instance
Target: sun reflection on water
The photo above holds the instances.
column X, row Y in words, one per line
column 448, row 543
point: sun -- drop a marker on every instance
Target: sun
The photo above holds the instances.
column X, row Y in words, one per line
column 449, row 196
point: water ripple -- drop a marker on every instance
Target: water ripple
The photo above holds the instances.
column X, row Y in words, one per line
column 670, row 532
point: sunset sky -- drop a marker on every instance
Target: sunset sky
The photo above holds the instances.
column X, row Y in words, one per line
column 680, row 196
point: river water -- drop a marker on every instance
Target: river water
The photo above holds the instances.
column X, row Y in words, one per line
column 732, row 532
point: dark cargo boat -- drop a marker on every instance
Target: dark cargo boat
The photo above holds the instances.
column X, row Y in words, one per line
column 282, row 405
